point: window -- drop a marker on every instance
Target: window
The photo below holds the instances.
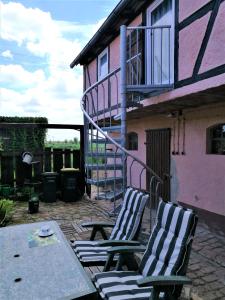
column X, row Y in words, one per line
column 103, row 67
column 160, row 42
column 216, row 139
column 132, row 141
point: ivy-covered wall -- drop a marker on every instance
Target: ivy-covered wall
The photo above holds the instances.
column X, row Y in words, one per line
column 18, row 139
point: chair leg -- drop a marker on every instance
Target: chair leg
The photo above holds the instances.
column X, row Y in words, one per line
column 93, row 234
column 155, row 294
column 95, row 230
column 108, row 263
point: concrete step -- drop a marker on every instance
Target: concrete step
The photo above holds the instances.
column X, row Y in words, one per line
column 106, row 141
column 105, row 154
column 116, row 128
column 104, row 166
column 105, row 181
column 111, row 196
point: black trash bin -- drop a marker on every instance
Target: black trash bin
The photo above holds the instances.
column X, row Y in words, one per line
column 49, row 186
column 70, row 184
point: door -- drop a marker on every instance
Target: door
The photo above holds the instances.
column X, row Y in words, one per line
column 158, row 158
column 160, row 42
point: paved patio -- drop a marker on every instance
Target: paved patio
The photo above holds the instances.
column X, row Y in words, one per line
column 207, row 263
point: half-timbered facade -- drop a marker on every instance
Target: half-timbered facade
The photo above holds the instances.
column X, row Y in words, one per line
column 154, row 81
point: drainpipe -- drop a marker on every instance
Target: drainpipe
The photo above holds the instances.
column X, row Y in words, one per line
column 123, row 62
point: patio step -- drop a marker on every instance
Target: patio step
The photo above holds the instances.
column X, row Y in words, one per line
column 110, row 195
column 106, row 141
column 116, row 128
column 105, row 181
column 134, row 104
column 104, row 166
column 105, row 154
column 117, row 117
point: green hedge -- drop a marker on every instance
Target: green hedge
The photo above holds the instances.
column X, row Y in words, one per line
column 20, row 139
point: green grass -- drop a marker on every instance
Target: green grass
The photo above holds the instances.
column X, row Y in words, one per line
column 74, row 145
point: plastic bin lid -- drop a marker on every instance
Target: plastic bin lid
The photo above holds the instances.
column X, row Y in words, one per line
column 69, row 170
column 49, row 174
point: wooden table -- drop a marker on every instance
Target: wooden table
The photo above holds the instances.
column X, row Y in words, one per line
column 40, row 268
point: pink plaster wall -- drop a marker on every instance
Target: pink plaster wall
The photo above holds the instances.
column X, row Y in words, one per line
column 188, row 7
column 198, row 178
column 215, row 51
column 92, row 67
column 190, row 40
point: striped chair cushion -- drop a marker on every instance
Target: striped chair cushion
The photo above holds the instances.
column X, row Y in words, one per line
column 120, row 285
column 126, row 227
column 129, row 218
column 167, row 244
column 88, row 251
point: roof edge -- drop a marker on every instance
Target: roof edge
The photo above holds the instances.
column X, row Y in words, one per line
column 120, row 6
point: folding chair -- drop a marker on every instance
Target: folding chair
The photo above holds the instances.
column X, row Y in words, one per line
column 125, row 229
column 161, row 272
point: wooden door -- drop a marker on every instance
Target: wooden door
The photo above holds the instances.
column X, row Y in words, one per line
column 158, row 158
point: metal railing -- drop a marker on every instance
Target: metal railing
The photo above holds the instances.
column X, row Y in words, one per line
column 98, row 113
column 150, row 58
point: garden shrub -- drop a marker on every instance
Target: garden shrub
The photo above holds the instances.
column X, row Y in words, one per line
column 6, row 211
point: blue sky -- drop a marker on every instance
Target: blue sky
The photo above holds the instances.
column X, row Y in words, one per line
column 39, row 39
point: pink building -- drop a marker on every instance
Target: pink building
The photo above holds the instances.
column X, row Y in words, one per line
column 159, row 81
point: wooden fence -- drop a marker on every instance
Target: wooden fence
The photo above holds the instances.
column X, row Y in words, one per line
column 14, row 172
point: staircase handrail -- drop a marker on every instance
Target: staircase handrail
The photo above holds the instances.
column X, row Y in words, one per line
column 106, row 135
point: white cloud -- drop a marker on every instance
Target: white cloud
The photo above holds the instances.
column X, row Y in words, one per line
column 7, row 54
column 55, row 91
column 16, row 77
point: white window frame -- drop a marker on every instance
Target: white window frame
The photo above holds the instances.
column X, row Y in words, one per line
column 149, row 11
column 103, row 53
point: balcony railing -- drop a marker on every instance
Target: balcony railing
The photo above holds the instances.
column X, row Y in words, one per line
column 149, row 59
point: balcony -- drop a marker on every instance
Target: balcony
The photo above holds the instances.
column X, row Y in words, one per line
column 149, row 59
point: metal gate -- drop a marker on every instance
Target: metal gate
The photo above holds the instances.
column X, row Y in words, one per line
column 158, row 158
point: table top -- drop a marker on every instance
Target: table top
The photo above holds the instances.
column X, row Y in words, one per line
column 40, row 268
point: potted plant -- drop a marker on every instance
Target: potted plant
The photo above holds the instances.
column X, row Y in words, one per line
column 6, row 211
column 33, row 204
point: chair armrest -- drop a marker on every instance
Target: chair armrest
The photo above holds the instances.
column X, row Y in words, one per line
column 97, row 224
column 126, row 249
column 163, row 280
column 114, row 243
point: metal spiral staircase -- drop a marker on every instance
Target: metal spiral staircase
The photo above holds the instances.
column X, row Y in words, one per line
column 109, row 166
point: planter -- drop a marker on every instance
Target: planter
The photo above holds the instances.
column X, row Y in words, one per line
column 33, row 204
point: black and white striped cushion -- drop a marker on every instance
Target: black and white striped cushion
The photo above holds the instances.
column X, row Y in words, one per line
column 164, row 255
column 120, row 285
column 126, row 226
column 168, row 240
column 129, row 218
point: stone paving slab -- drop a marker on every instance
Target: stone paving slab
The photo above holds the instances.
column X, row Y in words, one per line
column 207, row 262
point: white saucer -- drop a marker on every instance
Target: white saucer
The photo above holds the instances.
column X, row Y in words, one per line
column 42, row 234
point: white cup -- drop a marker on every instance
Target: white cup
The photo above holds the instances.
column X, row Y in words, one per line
column 45, row 230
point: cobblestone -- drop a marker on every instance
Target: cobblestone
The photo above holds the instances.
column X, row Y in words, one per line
column 207, row 261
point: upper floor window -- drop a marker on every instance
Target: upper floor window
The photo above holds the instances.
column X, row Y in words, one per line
column 132, row 141
column 216, row 139
column 160, row 41
column 103, row 66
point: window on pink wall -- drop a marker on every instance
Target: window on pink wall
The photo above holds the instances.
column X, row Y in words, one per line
column 160, row 42
column 132, row 141
column 103, row 64
column 216, row 139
